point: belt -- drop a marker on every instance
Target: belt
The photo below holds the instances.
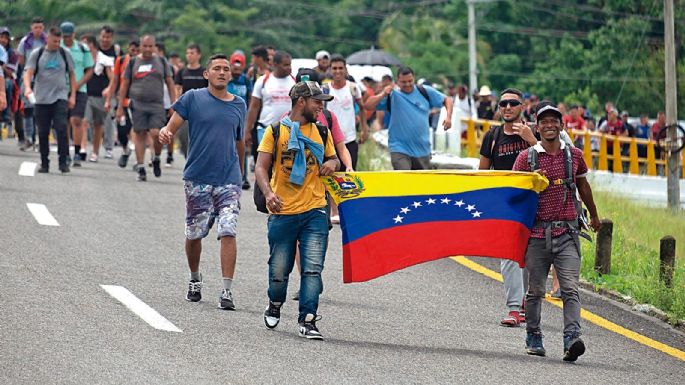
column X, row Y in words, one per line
column 549, row 225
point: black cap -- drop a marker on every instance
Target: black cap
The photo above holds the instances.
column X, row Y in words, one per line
column 309, row 89
column 548, row 109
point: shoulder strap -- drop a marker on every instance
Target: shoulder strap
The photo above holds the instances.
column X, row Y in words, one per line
column 266, row 77
column 495, row 137
column 423, row 92
column 165, row 64
column 323, row 132
column 387, row 102
column 568, row 165
column 83, row 47
column 276, row 132
column 40, row 53
column 532, row 159
column 329, row 118
column 64, row 57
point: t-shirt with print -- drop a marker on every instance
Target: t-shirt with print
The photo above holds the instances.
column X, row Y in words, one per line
column 51, row 83
column 550, row 202
column 82, row 58
column 191, row 79
column 408, row 131
column 296, row 199
column 214, row 126
column 148, row 79
column 274, row 94
column 506, row 150
column 343, row 106
column 98, row 83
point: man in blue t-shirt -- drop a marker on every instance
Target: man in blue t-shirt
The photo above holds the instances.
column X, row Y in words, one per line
column 213, row 171
column 409, row 131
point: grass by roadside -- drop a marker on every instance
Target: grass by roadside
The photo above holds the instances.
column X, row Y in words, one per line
column 635, row 248
column 635, row 253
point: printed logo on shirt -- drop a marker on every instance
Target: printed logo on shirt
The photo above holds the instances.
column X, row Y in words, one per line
column 52, row 64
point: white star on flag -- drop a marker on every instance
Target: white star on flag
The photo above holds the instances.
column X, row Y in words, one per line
column 398, row 219
column 446, row 200
column 417, row 204
column 405, row 210
column 430, row 201
column 459, row 203
column 476, row 214
column 470, row 207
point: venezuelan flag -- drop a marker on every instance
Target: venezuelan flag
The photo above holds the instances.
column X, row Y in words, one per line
column 393, row 220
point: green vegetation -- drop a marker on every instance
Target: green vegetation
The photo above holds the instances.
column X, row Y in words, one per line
column 372, row 157
column 576, row 51
column 635, row 253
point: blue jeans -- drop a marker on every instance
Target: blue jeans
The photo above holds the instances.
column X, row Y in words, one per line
column 310, row 229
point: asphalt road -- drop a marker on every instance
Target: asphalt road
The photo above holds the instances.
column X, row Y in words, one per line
column 432, row 323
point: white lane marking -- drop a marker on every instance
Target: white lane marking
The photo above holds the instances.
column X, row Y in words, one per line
column 42, row 215
column 140, row 308
column 27, row 169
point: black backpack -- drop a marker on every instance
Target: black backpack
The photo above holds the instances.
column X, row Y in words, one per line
column 258, row 195
column 62, row 52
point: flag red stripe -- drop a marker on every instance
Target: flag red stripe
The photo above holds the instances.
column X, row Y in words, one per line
column 395, row 248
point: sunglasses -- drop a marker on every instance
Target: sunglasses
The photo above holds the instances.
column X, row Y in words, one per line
column 510, row 102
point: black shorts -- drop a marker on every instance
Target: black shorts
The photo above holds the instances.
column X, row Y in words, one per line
column 79, row 110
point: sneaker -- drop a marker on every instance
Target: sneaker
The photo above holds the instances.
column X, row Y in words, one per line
column 84, row 156
column 272, row 315
column 522, row 317
column 142, row 176
column 27, row 146
column 308, row 327
column 156, row 169
column 511, row 320
column 226, row 300
column 43, row 170
column 194, row 291
column 77, row 161
column 246, row 185
column 108, row 154
column 296, row 297
column 534, row 344
column 64, row 169
column 123, row 160
column 574, row 347
column 93, row 158
column 169, row 160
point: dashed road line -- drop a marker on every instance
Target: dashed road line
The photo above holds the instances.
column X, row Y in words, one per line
column 584, row 314
column 140, row 308
column 27, row 169
column 42, row 215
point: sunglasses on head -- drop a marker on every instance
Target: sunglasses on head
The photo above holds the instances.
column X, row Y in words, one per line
column 510, row 102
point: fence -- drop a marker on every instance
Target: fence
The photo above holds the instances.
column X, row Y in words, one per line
column 623, row 157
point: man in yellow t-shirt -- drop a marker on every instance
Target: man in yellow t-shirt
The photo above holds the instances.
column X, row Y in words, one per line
column 295, row 197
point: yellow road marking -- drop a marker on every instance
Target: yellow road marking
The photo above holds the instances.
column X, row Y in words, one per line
column 584, row 314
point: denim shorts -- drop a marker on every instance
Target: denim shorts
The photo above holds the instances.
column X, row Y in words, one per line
column 205, row 203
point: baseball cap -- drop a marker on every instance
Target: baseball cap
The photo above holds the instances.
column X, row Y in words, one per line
column 237, row 57
column 67, row 28
column 5, row 30
column 548, row 108
column 309, row 89
column 322, row 54
column 624, row 113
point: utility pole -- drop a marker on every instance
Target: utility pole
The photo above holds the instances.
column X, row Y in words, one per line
column 673, row 180
column 473, row 76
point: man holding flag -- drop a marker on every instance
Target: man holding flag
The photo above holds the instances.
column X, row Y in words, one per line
column 554, row 238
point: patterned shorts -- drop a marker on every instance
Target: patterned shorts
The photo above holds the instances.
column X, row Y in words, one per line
column 205, row 203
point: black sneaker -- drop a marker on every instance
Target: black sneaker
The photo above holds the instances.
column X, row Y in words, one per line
column 574, row 347
column 272, row 315
column 194, row 291
column 169, row 160
column 156, row 169
column 226, row 300
column 534, row 344
column 296, row 297
column 142, row 175
column 246, row 185
column 123, row 160
column 44, row 170
column 64, row 169
column 308, row 327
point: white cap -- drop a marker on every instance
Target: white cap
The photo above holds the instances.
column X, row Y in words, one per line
column 322, row 54
column 484, row 90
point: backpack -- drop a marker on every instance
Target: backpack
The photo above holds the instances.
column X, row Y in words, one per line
column 62, row 52
column 258, row 195
column 568, row 182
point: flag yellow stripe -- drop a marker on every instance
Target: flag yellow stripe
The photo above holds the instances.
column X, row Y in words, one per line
column 402, row 183
column 586, row 315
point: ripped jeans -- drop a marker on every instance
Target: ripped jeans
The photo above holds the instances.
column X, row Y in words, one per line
column 310, row 230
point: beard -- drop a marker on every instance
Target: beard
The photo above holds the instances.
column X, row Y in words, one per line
column 309, row 116
column 510, row 120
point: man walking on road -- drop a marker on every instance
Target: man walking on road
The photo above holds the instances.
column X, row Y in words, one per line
column 297, row 154
column 144, row 81
column 52, row 70
column 554, row 238
column 189, row 78
column 409, row 132
column 213, row 170
column 499, row 150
